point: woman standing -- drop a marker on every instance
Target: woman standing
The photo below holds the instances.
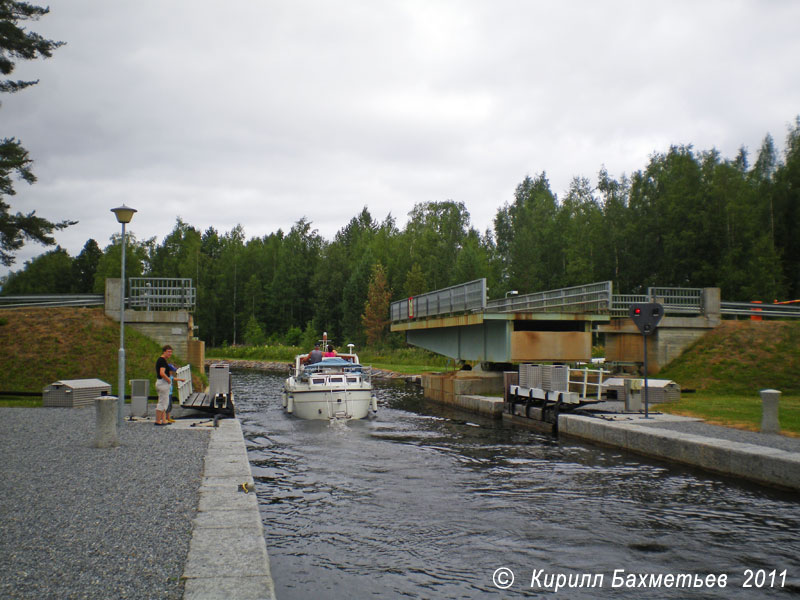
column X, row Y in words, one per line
column 163, row 384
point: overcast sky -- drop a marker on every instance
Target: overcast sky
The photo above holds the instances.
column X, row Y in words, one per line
column 260, row 112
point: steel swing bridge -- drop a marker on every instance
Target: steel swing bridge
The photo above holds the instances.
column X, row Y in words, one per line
column 557, row 325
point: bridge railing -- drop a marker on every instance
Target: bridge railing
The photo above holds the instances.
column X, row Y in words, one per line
column 51, row 300
column 161, row 293
column 593, row 297
column 464, row 297
column 675, row 300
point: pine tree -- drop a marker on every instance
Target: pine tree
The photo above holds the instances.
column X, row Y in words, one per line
column 17, row 43
column 376, row 309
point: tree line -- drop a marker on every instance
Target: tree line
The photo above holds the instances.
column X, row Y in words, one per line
column 688, row 219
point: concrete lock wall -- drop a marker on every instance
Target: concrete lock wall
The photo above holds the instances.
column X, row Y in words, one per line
column 465, row 389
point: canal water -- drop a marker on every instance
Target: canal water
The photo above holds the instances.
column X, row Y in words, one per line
column 427, row 502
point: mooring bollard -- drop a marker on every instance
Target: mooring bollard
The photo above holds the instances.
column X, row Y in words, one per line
column 105, row 435
column 769, row 411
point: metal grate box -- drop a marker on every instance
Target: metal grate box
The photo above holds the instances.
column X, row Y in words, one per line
column 658, row 390
column 547, row 377
column 219, row 380
column 71, row 393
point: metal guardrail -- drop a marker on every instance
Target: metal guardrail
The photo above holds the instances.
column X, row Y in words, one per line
column 620, row 303
column 784, row 311
column 685, row 301
column 677, row 300
column 593, row 297
column 51, row 300
column 458, row 298
column 161, row 293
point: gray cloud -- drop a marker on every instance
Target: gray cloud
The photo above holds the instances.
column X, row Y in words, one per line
column 260, row 113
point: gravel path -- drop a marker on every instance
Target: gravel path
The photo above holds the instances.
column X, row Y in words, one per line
column 80, row 522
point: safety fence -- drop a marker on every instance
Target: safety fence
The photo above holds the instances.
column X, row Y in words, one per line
column 161, row 293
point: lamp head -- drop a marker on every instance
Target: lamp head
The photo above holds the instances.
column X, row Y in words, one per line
column 123, row 213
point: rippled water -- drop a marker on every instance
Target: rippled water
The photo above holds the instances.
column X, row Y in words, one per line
column 427, row 502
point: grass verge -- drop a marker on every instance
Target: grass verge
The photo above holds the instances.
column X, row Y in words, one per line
column 740, row 412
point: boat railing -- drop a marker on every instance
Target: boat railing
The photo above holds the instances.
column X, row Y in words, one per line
column 338, row 369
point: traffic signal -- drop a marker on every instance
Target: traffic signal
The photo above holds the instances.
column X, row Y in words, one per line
column 646, row 315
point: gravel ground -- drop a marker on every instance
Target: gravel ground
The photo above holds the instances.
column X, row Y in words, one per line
column 81, row 522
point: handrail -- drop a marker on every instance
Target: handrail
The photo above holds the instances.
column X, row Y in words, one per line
column 184, row 387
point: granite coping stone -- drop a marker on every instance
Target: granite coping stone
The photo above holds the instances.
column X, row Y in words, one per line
column 227, row 553
column 763, row 463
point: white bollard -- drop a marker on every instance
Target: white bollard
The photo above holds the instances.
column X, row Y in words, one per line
column 769, row 411
column 105, row 435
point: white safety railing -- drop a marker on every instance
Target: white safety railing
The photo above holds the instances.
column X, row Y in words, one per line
column 588, row 382
column 184, row 387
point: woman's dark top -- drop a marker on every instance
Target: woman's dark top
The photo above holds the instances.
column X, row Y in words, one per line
column 161, row 362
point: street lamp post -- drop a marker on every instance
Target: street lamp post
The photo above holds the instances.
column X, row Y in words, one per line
column 124, row 215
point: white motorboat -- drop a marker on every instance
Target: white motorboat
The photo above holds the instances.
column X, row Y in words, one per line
column 337, row 387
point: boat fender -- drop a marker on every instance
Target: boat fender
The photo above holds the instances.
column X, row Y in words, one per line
column 374, row 404
column 290, row 405
column 283, row 399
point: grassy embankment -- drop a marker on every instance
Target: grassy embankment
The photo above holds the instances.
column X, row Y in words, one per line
column 730, row 365
column 410, row 361
column 41, row 345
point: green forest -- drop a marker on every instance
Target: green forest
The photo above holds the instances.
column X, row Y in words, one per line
column 689, row 218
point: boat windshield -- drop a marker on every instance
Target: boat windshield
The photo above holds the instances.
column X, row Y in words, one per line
column 335, row 364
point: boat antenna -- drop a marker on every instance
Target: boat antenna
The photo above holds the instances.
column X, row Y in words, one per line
column 351, row 346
